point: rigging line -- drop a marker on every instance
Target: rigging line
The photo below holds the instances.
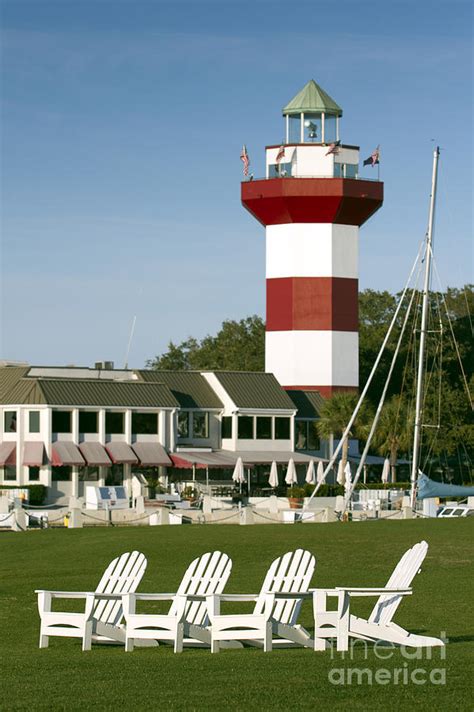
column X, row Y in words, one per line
column 466, row 385
column 366, row 387
column 468, row 310
column 379, row 407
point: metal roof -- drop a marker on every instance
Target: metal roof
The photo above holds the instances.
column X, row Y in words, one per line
column 309, row 403
column 254, row 389
column 190, row 388
column 9, row 377
column 82, row 392
column 312, row 99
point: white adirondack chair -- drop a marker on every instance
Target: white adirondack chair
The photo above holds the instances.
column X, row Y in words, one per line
column 101, row 620
column 379, row 626
column 273, row 614
column 187, row 620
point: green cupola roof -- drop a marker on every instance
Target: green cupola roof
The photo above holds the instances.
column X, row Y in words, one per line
column 312, row 100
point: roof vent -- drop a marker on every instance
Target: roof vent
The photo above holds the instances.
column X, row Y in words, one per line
column 104, row 365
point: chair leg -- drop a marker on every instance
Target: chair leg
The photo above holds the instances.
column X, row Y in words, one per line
column 214, row 646
column 44, row 641
column 178, row 641
column 128, row 645
column 267, row 641
column 87, row 637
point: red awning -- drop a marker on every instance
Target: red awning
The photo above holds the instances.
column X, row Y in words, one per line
column 65, row 453
column 33, row 454
column 95, row 454
column 121, row 453
column 183, row 464
column 151, row 454
column 7, row 453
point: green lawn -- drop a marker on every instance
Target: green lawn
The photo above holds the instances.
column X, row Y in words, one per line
column 360, row 554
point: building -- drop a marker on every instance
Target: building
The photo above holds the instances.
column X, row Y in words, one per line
column 312, row 203
column 68, row 427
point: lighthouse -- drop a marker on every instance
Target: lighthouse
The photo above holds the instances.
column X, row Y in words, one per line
column 312, row 203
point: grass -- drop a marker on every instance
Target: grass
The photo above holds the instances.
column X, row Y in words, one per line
column 359, row 554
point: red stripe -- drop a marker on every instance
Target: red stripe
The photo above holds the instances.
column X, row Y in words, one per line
column 312, row 304
column 279, row 201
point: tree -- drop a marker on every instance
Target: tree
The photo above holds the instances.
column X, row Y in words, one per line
column 238, row 346
column 335, row 415
column 394, row 431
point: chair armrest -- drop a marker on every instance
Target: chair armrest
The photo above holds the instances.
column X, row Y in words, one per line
column 69, row 594
column 236, row 597
column 355, row 591
column 150, row 596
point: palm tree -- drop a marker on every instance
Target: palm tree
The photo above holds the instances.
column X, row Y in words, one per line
column 335, row 415
column 394, row 431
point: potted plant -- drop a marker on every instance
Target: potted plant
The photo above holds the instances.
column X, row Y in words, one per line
column 295, row 496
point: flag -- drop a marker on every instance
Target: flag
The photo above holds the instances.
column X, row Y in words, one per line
column 374, row 158
column 280, row 154
column 244, row 157
column 333, row 148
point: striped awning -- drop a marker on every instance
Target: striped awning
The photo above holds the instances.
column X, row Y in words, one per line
column 95, row 454
column 151, row 454
column 33, row 454
column 121, row 453
column 203, row 460
column 7, row 453
column 66, row 453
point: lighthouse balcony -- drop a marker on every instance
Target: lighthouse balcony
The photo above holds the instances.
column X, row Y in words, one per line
column 312, row 199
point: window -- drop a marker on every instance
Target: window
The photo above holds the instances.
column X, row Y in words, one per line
column 226, row 427
column 245, row 427
column 10, row 421
column 61, row 474
column 33, row 474
column 61, row 421
column 144, row 423
column 114, row 475
column 88, row 421
column 183, row 425
column 9, row 473
column 306, row 435
column 91, row 474
column 114, row 423
column 264, row 428
column 34, row 421
column 282, row 428
column 201, row 425
column 279, row 170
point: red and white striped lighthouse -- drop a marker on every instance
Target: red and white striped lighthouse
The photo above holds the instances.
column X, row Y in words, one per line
column 312, row 203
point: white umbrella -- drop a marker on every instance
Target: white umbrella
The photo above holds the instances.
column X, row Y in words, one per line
column 310, row 474
column 347, row 475
column 290, row 477
column 238, row 475
column 341, row 477
column 320, row 471
column 386, row 470
column 273, row 479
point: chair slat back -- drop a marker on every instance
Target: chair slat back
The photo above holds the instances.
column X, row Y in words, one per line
column 290, row 573
column 122, row 575
column 402, row 576
column 205, row 575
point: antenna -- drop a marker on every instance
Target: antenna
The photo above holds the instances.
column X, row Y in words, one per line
column 130, row 341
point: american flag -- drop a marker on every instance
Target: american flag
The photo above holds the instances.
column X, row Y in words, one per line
column 280, row 154
column 374, row 158
column 333, row 148
column 244, row 157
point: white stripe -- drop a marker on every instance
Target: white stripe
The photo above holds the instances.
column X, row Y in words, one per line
column 312, row 250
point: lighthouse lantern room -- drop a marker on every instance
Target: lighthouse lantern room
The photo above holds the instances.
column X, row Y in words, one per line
column 312, row 203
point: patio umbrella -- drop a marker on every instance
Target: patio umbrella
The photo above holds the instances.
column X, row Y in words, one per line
column 386, row 470
column 239, row 475
column 273, row 479
column 310, row 474
column 341, row 477
column 290, row 477
column 347, row 475
column 320, row 472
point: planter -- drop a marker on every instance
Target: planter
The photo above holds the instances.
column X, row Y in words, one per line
column 296, row 502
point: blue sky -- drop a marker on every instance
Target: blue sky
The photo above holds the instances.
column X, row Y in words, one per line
column 121, row 127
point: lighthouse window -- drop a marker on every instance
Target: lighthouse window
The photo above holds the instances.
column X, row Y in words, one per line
column 346, row 170
column 281, row 170
column 330, row 129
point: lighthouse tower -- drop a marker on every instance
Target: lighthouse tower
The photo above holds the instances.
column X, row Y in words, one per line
column 312, row 203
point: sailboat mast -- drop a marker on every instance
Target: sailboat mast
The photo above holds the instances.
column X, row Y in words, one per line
column 424, row 324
